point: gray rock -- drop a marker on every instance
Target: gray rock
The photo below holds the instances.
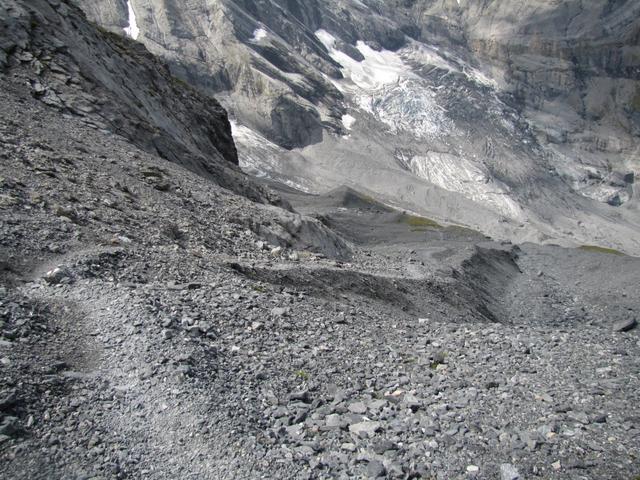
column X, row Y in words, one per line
column 279, row 311
column 625, row 325
column 357, row 407
column 66, row 212
column 8, row 401
column 365, row 429
column 299, row 232
column 383, row 446
column 509, row 472
column 580, row 417
column 58, row 275
column 375, row 469
column 52, row 99
column 38, row 88
column 9, row 426
column 301, row 396
column 334, row 421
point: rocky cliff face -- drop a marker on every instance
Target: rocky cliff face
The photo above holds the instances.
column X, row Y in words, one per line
column 519, row 120
column 116, row 85
column 573, row 67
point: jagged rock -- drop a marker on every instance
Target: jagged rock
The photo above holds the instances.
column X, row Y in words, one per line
column 8, row 401
column 376, row 469
column 298, row 232
column 186, row 126
column 625, row 325
column 365, row 429
column 58, row 275
column 509, row 472
column 66, row 212
column 279, row 311
column 9, row 426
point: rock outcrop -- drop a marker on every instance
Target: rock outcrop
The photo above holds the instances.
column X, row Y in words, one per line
column 115, row 84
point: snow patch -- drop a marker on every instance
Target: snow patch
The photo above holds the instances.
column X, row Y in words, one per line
column 376, row 70
column 132, row 30
column 421, row 53
column 418, row 52
column 479, row 77
column 348, row 121
column 259, row 34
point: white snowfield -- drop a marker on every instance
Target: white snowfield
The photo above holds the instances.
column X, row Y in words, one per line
column 376, row 70
column 257, row 150
column 132, row 30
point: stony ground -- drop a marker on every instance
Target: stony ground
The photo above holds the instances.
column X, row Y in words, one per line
column 147, row 331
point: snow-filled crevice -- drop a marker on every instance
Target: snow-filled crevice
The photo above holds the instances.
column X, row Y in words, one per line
column 132, row 30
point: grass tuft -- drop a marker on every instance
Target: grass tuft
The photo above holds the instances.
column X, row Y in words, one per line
column 597, row 249
column 418, row 223
column 635, row 101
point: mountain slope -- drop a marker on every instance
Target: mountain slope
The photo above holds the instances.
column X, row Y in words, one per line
column 116, row 86
column 155, row 325
column 148, row 333
column 485, row 114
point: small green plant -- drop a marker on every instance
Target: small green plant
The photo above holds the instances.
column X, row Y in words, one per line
column 180, row 83
column 301, row 374
column 635, row 105
column 597, row 249
column 439, row 358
